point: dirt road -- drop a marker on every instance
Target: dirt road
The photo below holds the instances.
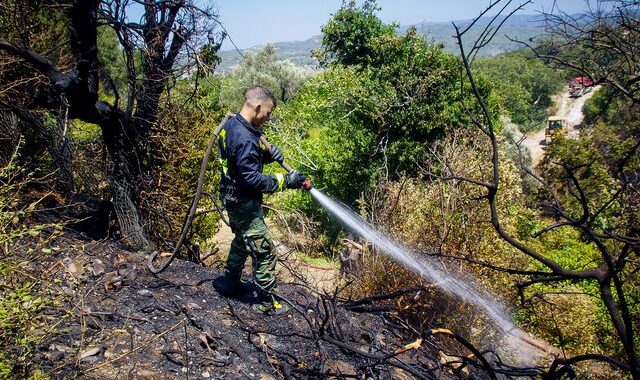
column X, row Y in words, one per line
column 571, row 110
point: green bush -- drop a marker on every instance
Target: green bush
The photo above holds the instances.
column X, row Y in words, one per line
column 187, row 121
column 375, row 117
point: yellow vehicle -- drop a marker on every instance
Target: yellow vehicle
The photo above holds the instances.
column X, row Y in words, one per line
column 555, row 125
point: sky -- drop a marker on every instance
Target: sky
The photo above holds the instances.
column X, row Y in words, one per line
column 257, row 22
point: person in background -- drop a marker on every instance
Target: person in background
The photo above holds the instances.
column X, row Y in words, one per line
column 351, row 256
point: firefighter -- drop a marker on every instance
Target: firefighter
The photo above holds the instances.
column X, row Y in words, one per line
column 241, row 189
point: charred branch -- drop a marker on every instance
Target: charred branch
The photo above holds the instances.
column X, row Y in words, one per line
column 606, row 42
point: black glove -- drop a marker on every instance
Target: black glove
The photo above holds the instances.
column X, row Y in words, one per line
column 294, row 180
column 276, row 154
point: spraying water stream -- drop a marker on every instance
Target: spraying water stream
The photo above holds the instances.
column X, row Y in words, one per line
column 431, row 270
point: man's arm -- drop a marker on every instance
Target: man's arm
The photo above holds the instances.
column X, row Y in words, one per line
column 266, row 156
column 274, row 156
column 248, row 157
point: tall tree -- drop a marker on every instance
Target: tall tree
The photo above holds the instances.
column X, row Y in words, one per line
column 163, row 44
column 348, row 37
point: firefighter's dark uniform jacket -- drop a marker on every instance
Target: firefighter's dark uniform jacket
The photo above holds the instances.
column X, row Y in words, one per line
column 242, row 160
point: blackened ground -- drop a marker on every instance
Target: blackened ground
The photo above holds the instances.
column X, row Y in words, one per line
column 116, row 320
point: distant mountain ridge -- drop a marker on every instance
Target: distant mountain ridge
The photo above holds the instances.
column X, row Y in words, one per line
column 521, row 27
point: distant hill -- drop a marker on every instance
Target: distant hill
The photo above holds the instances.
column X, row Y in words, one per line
column 522, row 27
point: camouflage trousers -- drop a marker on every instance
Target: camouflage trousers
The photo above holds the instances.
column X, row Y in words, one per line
column 252, row 238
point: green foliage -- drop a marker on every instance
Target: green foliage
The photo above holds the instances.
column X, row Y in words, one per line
column 596, row 106
column 420, row 89
column 602, row 160
column 571, row 315
column 428, row 94
column 319, row 120
column 592, row 172
column 590, row 166
column 111, row 58
column 379, row 119
column 525, row 86
column 348, row 38
column 40, row 25
column 24, row 296
column 359, row 122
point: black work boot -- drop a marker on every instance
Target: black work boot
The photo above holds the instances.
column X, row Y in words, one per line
column 268, row 304
column 233, row 285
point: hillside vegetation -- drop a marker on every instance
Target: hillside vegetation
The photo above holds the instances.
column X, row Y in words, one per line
column 519, row 27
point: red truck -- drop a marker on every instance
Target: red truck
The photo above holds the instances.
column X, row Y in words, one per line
column 579, row 86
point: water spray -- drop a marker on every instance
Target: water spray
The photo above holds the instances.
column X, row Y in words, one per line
column 433, row 271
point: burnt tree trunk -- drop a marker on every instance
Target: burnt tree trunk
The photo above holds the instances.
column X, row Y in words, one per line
column 160, row 37
column 118, row 131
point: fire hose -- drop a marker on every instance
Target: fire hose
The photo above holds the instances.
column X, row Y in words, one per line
column 196, row 199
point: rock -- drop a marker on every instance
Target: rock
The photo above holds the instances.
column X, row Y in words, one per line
column 340, row 366
column 115, row 350
column 112, row 280
column 68, row 291
column 380, row 339
column 206, row 375
column 59, row 347
column 98, row 267
column 145, row 293
column 130, row 275
column 91, row 360
column 90, row 352
column 76, row 269
column 399, row 374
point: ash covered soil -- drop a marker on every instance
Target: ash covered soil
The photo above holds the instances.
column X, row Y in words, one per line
column 114, row 319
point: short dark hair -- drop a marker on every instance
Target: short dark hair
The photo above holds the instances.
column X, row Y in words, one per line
column 260, row 93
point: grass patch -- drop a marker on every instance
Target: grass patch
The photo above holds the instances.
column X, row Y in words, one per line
column 318, row 260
